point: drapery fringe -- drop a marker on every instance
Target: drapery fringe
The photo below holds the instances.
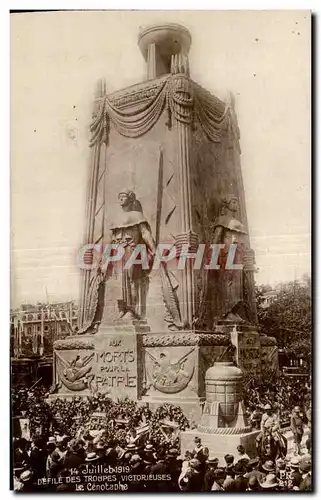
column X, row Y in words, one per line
column 180, row 97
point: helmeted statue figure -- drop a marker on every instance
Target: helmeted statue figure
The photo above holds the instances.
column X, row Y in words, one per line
column 129, row 230
column 229, row 299
column 132, row 232
column 228, row 293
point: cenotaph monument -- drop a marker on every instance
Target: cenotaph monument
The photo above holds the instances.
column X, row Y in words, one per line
column 165, row 169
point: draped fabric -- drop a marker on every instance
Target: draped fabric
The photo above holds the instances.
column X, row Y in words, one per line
column 179, row 96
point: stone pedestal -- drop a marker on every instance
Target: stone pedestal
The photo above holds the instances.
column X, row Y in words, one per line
column 107, row 362
column 220, row 444
column 126, row 360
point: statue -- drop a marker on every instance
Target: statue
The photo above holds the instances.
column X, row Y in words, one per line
column 227, row 292
column 132, row 229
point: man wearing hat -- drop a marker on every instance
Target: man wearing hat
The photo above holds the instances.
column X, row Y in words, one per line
column 161, row 467
column 211, row 466
column 297, row 425
column 253, row 484
column 37, row 459
column 219, row 476
column 294, row 477
column 253, row 470
column 269, row 467
column 270, row 483
column 240, row 482
column 174, row 468
column 268, row 419
column 281, row 474
column 75, row 455
column 193, row 479
column 305, row 470
column 229, row 478
column 200, row 452
column 27, row 479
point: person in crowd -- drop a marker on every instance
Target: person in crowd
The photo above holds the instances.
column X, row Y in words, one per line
column 229, row 478
column 269, row 420
column 240, row 482
column 200, row 452
column 51, row 446
column 37, row 459
column 211, row 466
column 294, row 476
column 17, row 483
column 219, row 477
column 270, row 483
column 305, row 471
column 253, row 470
column 229, row 460
column 269, row 467
column 241, row 455
column 253, row 484
column 20, row 455
column 193, row 478
column 28, row 482
column 297, row 425
column 75, row 455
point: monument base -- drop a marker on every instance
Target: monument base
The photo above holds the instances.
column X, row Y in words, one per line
column 221, row 443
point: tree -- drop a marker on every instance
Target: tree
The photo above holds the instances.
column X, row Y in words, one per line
column 288, row 318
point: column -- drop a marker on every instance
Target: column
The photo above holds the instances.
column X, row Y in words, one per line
column 151, row 62
column 183, row 103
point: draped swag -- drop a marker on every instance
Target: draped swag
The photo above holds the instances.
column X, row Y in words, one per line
column 179, row 96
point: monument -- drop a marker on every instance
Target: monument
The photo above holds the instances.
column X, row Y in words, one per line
column 165, row 169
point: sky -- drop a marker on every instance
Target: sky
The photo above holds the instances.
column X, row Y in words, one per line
column 263, row 57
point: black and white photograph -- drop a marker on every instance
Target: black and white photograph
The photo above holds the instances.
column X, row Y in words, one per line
column 160, row 227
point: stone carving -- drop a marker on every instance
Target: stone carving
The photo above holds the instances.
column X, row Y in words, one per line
column 186, row 339
column 170, row 376
column 91, row 304
column 176, row 93
column 130, row 230
column 74, row 374
column 73, row 344
column 225, row 293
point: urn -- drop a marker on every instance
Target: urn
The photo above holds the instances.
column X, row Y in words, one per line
column 223, row 382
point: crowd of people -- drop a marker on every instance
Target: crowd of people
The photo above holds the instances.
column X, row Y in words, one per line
column 89, row 464
column 92, row 445
column 282, row 393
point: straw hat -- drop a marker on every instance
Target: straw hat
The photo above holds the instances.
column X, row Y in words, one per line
column 131, row 447
column 268, row 466
column 294, row 464
column 267, row 407
column 91, row 457
column 270, row 481
column 212, row 460
column 26, row 476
